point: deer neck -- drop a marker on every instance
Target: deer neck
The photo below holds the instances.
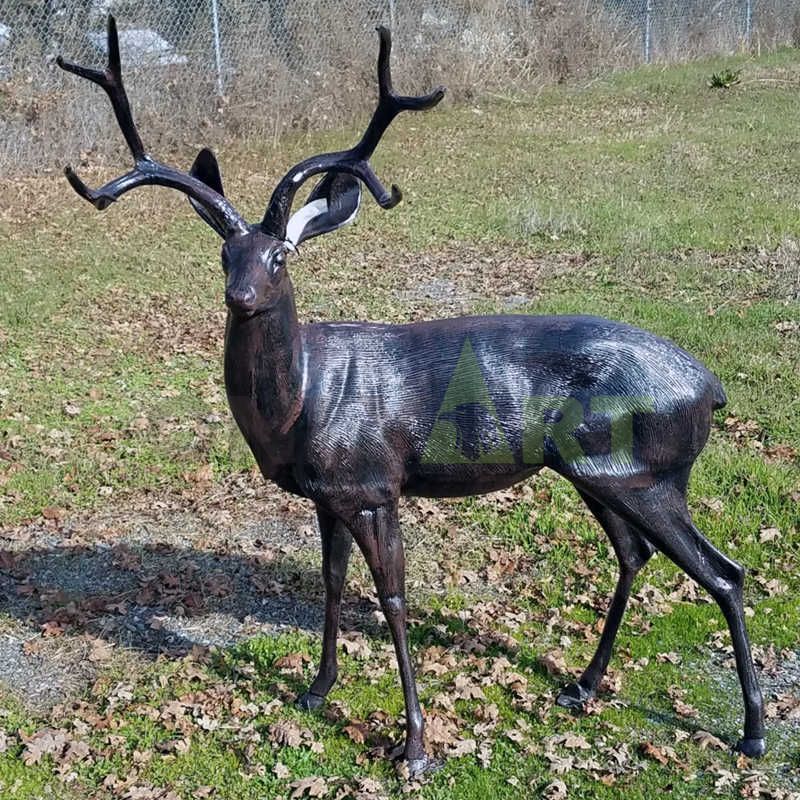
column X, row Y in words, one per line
column 264, row 369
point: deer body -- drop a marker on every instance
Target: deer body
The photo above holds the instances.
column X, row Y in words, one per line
column 347, row 410
column 354, row 415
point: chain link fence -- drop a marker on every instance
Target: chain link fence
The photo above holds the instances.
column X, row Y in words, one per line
column 673, row 29
column 223, row 62
column 222, row 34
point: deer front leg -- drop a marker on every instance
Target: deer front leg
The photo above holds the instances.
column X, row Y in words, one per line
column 377, row 533
column 336, row 544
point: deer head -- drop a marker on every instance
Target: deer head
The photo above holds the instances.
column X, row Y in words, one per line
column 254, row 256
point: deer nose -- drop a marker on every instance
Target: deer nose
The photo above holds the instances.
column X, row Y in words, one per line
column 241, row 299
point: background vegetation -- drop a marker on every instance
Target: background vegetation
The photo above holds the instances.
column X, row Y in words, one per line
column 646, row 196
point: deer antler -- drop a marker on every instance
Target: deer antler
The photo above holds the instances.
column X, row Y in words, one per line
column 146, row 171
column 356, row 160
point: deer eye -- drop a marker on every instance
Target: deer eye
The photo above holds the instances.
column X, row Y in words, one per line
column 277, row 262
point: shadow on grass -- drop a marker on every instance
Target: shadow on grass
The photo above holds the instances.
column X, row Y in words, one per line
column 163, row 599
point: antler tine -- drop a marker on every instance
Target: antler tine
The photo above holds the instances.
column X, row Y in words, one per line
column 146, row 171
column 354, row 161
column 389, row 103
column 110, row 80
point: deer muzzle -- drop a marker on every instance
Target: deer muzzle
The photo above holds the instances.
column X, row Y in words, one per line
column 241, row 300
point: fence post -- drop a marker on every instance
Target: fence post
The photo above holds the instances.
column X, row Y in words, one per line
column 748, row 22
column 217, row 46
column 648, row 31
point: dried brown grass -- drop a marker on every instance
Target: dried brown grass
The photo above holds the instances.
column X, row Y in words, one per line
column 48, row 119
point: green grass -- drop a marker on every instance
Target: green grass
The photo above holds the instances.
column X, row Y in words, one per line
column 649, row 172
column 682, row 203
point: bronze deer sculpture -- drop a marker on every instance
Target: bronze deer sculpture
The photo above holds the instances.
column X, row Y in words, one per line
column 355, row 415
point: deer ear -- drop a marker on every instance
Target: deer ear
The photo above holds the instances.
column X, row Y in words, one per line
column 333, row 203
column 206, row 169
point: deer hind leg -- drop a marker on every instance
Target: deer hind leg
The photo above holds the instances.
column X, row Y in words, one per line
column 336, row 544
column 633, row 552
column 377, row 533
column 662, row 517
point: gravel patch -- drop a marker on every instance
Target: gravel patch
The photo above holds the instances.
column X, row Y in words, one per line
column 40, row 672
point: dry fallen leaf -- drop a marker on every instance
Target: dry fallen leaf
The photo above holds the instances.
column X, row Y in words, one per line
column 650, row 750
column 286, row 733
column 309, row 787
column 467, row 689
column 100, row 650
column 742, row 761
column 555, row 790
column 357, row 732
column 561, row 765
column 149, row 793
column 485, row 754
column 356, row 645
column 281, row 771
column 46, row 742
column 51, row 628
column 769, row 534
column 54, row 513
column 705, row 740
column 713, row 503
column 785, row 706
column 368, row 789
column 663, row 754
column 464, row 747
column 292, row 664
column 572, row 741
column 554, row 663
column 683, row 709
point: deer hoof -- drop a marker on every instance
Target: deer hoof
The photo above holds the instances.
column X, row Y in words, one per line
column 308, row 701
column 574, row 696
column 752, row 748
column 412, row 769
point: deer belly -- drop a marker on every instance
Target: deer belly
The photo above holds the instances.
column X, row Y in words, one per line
column 462, row 480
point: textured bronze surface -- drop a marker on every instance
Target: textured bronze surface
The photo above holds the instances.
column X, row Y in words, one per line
column 354, row 415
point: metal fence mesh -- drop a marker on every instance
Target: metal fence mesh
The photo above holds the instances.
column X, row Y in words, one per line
column 223, row 34
column 245, row 55
column 215, row 34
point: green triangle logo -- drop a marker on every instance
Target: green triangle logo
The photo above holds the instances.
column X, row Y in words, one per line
column 466, row 430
